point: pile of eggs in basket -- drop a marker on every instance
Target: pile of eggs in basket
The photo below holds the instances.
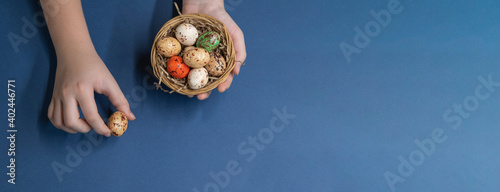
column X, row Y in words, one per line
column 197, row 63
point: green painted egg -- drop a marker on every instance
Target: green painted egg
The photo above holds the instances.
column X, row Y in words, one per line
column 208, row 40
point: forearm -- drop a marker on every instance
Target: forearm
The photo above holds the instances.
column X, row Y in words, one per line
column 67, row 27
column 197, row 5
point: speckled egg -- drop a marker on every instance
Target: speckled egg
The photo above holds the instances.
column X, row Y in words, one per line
column 187, row 34
column 177, row 68
column 168, row 46
column 188, row 48
column 198, row 78
column 118, row 123
column 208, row 40
column 217, row 65
column 196, row 58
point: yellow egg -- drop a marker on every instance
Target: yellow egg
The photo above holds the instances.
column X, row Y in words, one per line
column 168, row 46
column 118, row 123
column 196, row 58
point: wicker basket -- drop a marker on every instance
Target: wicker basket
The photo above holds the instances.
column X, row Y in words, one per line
column 203, row 23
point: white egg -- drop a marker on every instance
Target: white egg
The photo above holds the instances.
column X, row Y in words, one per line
column 187, row 34
column 198, row 78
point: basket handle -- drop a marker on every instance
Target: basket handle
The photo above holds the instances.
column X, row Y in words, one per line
column 178, row 11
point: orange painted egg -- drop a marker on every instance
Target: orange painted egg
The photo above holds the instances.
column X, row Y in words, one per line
column 177, row 68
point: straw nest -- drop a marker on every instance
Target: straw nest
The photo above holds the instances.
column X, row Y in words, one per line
column 203, row 23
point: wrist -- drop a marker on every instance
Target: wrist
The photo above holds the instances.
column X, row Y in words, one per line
column 69, row 55
column 74, row 49
column 193, row 6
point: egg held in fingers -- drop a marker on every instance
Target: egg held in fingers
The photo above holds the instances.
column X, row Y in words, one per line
column 118, row 123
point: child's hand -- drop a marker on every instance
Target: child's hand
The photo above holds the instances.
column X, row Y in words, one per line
column 215, row 8
column 78, row 76
column 80, row 72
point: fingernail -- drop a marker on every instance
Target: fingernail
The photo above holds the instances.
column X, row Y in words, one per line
column 108, row 134
column 132, row 114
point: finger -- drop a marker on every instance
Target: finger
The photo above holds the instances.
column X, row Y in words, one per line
column 64, row 128
column 226, row 84
column 190, row 96
column 71, row 117
column 57, row 115
column 69, row 130
column 204, row 96
column 89, row 109
column 115, row 95
column 50, row 111
column 57, row 119
column 239, row 48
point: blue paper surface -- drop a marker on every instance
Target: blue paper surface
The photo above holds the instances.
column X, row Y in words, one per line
column 334, row 96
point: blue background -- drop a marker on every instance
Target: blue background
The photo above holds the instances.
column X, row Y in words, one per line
column 352, row 120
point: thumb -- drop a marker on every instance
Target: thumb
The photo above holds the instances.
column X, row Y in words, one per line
column 115, row 95
column 239, row 48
